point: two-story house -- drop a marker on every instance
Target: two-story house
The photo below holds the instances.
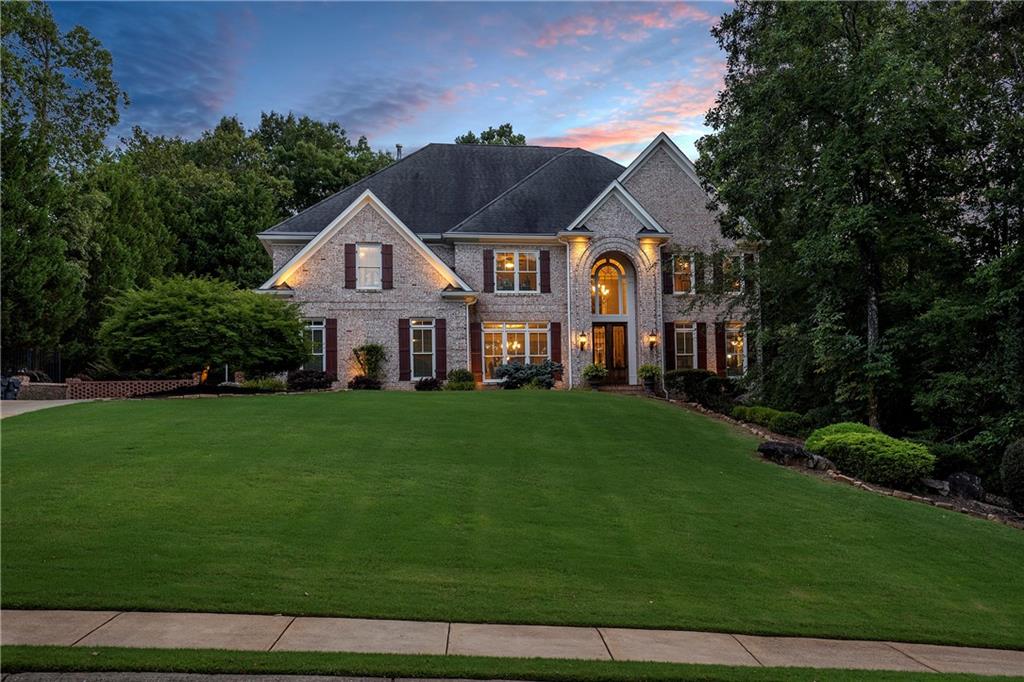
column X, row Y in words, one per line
column 475, row 255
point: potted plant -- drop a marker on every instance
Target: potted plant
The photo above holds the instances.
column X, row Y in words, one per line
column 649, row 374
column 595, row 374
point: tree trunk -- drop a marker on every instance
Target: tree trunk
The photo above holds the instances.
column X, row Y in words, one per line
column 874, row 284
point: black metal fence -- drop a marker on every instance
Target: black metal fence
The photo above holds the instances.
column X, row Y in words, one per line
column 48, row 362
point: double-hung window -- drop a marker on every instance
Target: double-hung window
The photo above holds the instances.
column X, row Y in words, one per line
column 315, row 333
column 683, row 274
column 368, row 266
column 732, row 274
column 515, row 271
column 526, row 343
column 735, row 349
column 422, row 348
column 686, row 345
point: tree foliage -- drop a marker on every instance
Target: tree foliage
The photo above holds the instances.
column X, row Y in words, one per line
column 874, row 151
column 502, row 135
column 182, row 325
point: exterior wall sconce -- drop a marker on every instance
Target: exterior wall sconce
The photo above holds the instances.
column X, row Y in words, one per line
column 582, row 339
column 652, row 339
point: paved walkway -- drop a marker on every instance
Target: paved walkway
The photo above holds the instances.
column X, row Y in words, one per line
column 12, row 408
column 287, row 633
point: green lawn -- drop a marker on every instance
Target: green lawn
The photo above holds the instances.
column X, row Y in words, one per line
column 541, row 507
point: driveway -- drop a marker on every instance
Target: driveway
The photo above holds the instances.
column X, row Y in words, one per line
column 12, row 408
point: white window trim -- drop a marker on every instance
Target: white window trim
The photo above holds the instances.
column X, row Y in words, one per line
column 504, row 331
column 379, row 267
column 693, row 275
column 736, row 258
column 686, row 328
column 433, row 347
column 743, row 335
column 320, row 324
column 515, row 256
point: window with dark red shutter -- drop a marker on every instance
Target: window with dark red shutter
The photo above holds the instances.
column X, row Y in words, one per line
column 702, row 345
column 476, row 354
column 350, row 266
column 556, row 345
column 331, row 346
column 488, row 271
column 545, row 272
column 440, row 349
column 720, row 348
column 666, row 270
column 404, row 371
column 387, row 261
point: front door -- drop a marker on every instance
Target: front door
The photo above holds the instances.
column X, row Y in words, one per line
column 610, row 350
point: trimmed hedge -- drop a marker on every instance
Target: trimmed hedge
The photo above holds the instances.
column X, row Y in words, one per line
column 814, row 440
column 786, row 423
column 877, row 458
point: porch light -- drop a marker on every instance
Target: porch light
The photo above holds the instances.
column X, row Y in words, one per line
column 582, row 338
column 652, row 339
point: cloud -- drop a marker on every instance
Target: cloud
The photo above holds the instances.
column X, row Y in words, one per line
column 519, row 52
column 621, row 21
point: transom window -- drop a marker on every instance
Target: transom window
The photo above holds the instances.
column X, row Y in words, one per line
column 515, row 271
column 317, row 358
column 686, row 345
column 732, row 274
column 422, row 348
column 683, row 279
column 608, row 288
column 528, row 343
column 368, row 266
column 735, row 349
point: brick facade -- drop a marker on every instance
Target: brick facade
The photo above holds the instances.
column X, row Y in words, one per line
column 660, row 186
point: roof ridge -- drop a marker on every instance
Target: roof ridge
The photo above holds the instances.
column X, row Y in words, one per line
column 600, row 156
column 511, row 187
column 348, row 187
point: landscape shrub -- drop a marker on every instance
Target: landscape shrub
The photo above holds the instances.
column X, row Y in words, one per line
column 460, row 374
column 370, row 357
column 428, row 384
column 1012, row 472
column 953, row 457
column 515, row 375
column 787, row 423
column 183, row 325
column 833, row 429
column 309, row 380
column 460, row 385
column 265, row 384
column 648, row 373
column 595, row 372
column 361, row 382
column 702, row 387
column 877, row 458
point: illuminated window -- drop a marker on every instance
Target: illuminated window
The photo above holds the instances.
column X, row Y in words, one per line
column 317, row 358
column 422, row 348
column 732, row 274
column 735, row 349
column 515, row 271
column 521, row 342
column 608, row 288
column 368, row 266
column 686, row 345
column 683, row 279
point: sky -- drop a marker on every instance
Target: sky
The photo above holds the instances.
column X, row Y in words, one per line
column 607, row 77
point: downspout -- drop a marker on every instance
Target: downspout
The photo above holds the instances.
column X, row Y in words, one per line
column 568, row 308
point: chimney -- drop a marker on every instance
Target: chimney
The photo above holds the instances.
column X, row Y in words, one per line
column 398, row 152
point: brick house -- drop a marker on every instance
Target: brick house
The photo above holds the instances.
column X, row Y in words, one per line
column 475, row 255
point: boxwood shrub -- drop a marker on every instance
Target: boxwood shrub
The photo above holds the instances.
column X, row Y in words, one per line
column 786, row 423
column 814, row 440
column 877, row 458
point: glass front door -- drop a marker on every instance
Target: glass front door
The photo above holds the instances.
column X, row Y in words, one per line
column 610, row 350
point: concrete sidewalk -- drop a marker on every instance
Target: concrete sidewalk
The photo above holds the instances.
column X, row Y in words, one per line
column 12, row 408
column 287, row 633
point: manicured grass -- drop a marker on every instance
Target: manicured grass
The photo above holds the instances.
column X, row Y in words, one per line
column 536, row 507
column 31, row 658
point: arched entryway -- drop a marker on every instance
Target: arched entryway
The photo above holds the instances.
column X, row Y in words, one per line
column 613, row 316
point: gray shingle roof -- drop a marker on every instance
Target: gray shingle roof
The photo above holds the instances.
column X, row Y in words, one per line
column 520, row 189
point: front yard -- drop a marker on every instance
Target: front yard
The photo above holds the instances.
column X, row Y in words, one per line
column 538, row 507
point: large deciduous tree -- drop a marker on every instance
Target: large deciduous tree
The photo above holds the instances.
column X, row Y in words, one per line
column 502, row 135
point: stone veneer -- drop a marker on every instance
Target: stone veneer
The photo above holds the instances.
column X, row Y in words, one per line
column 659, row 185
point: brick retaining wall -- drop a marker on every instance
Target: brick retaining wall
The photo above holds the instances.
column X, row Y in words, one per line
column 84, row 390
column 37, row 390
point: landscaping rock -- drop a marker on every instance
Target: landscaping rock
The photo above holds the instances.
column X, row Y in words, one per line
column 902, row 495
column 941, row 487
column 820, row 463
column 783, row 453
column 968, row 486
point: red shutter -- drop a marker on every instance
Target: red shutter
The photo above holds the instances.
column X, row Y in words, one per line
column 404, row 374
column 716, row 273
column 476, row 351
column 387, row 260
column 748, row 271
column 545, row 272
column 488, row 270
column 698, row 272
column 331, row 346
column 702, row 345
column 350, row 266
column 720, row 348
column 440, row 349
column 556, row 345
column 666, row 270
column 670, row 346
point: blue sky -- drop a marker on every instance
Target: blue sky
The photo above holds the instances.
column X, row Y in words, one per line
column 603, row 76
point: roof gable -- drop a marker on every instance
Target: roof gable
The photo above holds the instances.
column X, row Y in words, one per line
column 615, row 190
column 367, row 198
column 674, row 152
